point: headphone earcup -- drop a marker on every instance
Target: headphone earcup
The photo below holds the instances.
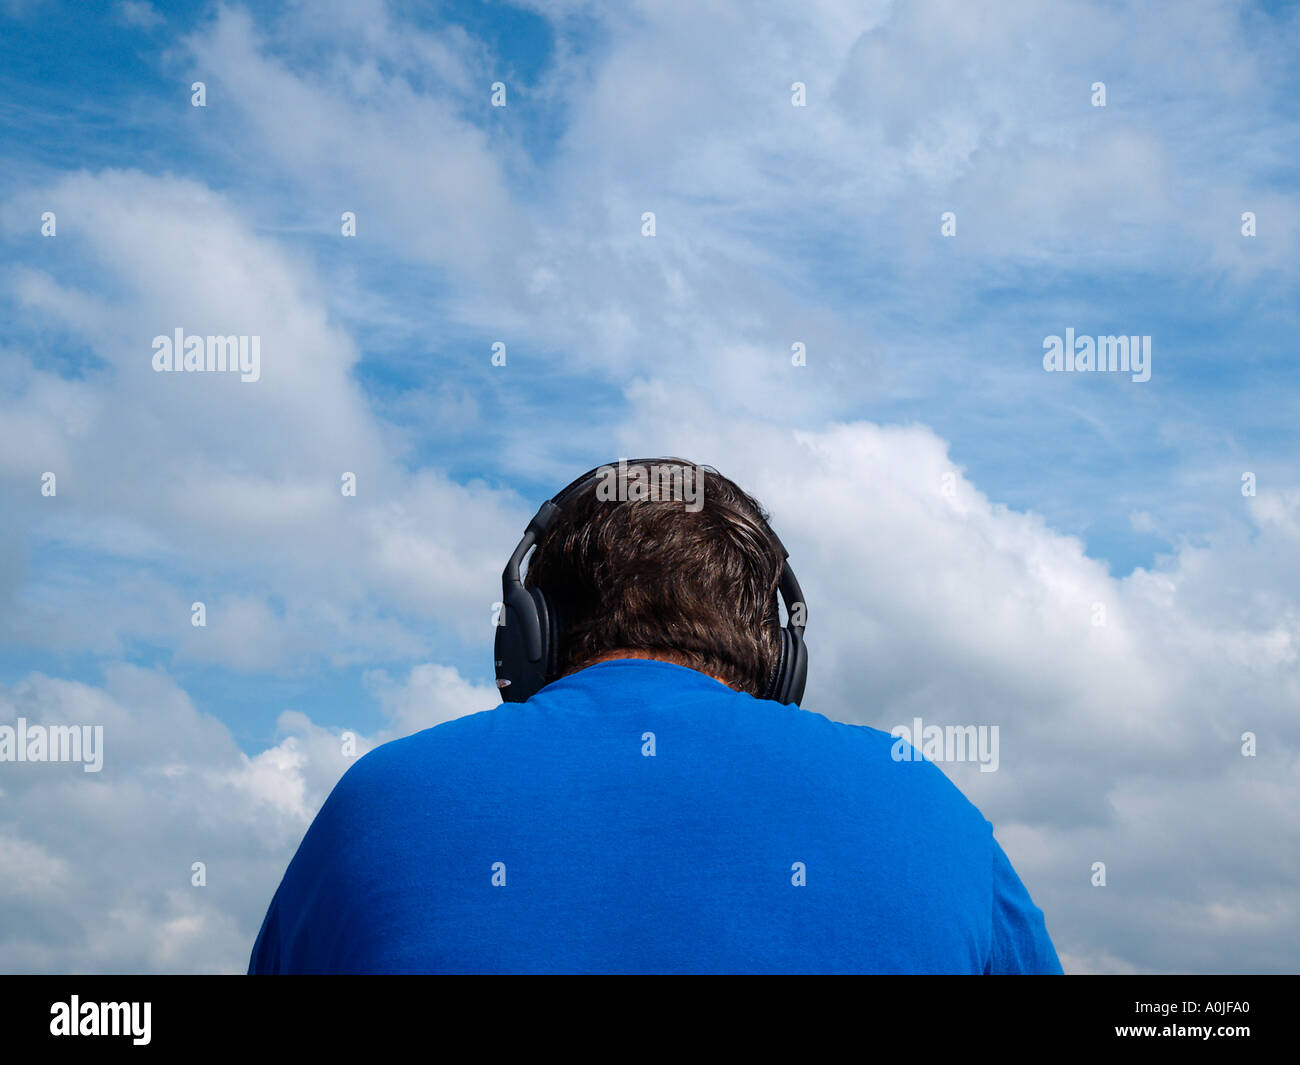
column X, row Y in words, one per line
column 525, row 644
column 549, row 625
column 792, row 670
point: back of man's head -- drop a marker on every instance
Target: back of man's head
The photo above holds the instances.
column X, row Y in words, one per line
column 674, row 562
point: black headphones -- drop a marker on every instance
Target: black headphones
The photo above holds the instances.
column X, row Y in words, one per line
column 527, row 638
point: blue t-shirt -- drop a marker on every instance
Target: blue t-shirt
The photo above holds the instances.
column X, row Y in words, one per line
column 641, row 817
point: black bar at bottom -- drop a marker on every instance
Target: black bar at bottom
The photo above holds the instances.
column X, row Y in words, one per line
column 253, row 1015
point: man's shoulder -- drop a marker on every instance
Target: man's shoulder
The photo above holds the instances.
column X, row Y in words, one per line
column 895, row 766
column 415, row 749
column 855, row 761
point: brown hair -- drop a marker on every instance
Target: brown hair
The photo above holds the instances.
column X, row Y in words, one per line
column 694, row 586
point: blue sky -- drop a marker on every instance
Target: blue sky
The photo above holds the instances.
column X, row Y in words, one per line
column 774, row 225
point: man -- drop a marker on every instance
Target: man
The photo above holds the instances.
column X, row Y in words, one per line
column 642, row 804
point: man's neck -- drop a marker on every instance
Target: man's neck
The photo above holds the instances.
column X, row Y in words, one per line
column 652, row 656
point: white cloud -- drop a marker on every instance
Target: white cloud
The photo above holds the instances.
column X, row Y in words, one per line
column 210, row 475
column 96, row 868
column 139, row 13
column 430, row 695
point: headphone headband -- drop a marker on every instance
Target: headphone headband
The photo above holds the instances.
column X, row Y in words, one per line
column 527, row 637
